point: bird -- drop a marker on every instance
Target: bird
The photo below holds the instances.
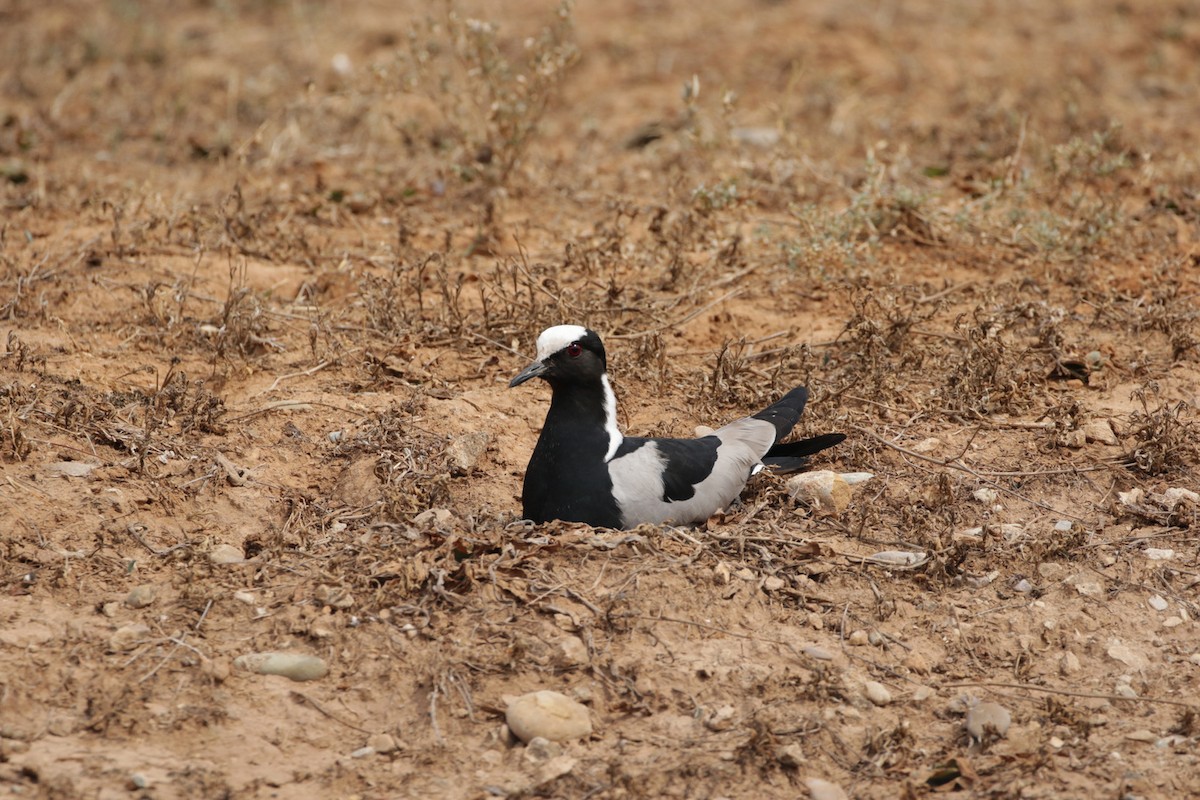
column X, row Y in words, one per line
column 584, row 470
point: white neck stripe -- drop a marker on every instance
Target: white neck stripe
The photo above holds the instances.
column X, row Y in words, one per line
column 610, row 419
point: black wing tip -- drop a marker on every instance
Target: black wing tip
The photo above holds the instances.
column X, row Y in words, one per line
column 794, row 456
column 805, row 447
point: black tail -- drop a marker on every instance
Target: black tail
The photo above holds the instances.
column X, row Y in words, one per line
column 793, row 456
column 785, row 412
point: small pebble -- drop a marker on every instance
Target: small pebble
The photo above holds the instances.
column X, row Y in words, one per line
column 721, row 719
column 382, row 743
column 572, row 652
column 986, row 496
column 244, row 597
column 1063, row 526
column 226, row 554
column 922, row 693
column 1023, row 586
column 816, row 652
column 363, row 752
column 1157, row 602
column 1174, row 496
column 551, row 715
column 540, row 749
column 1127, row 655
column 434, row 517
column 877, row 693
column 1099, row 431
column 1172, row 622
column 898, row 558
column 858, row 638
column 790, row 755
column 1156, row 554
column 128, row 637
column 138, row 781
column 140, row 596
column 296, row 666
column 985, row 717
column 1069, row 664
column 821, row 789
column 465, row 450
column 773, row 583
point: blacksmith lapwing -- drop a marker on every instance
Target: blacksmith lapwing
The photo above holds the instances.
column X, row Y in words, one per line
column 584, row 470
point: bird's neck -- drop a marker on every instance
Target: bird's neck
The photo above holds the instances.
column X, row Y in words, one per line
column 588, row 408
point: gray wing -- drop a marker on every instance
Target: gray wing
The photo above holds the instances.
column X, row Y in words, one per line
column 643, row 495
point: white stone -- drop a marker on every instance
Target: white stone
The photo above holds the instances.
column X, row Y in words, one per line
column 572, row 652
column 1174, row 496
column 821, row 789
column 822, row 488
column 983, row 718
column 720, row 720
column 382, row 743
column 1101, row 432
column 1157, row 602
column 922, row 693
column 1157, row 554
column 226, row 554
column 551, row 715
column 295, row 666
column 790, row 755
column 877, row 693
column 986, row 495
column 1119, row 651
column 465, row 450
column 898, row 558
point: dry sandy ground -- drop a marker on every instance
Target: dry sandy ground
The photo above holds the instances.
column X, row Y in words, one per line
column 266, row 268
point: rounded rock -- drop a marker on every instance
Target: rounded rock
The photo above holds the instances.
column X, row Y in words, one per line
column 877, row 693
column 550, row 715
column 985, row 718
column 226, row 554
column 821, row 789
column 822, row 488
column 140, row 596
column 382, row 743
column 128, row 637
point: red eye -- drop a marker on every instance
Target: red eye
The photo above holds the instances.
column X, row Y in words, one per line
column 574, row 349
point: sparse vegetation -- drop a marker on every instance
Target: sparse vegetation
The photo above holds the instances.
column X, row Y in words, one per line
column 266, row 268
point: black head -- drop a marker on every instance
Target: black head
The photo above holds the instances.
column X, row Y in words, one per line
column 566, row 354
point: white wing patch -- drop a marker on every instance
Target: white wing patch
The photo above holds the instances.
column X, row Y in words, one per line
column 551, row 340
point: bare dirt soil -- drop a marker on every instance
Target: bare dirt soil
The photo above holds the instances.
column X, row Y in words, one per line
column 266, row 268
